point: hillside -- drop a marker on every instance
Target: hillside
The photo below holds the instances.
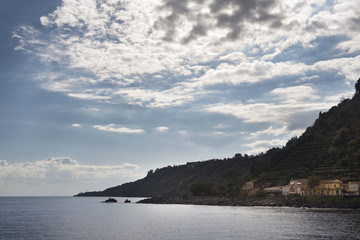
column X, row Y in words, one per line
column 176, row 180
column 329, row 149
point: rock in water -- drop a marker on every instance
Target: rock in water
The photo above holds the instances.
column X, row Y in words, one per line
column 110, row 200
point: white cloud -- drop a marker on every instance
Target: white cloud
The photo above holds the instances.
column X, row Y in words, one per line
column 94, row 109
column 61, row 168
column 117, row 129
column 162, row 129
column 183, row 133
column 270, row 131
column 220, row 126
column 121, row 43
column 288, row 112
column 86, row 96
column 61, row 176
column 234, row 57
column 76, row 125
column 339, row 97
column 249, row 72
column 176, row 96
column 348, row 67
column 218, row 133
column 295, row 94
column 293, row 103
column 264, row 145
column 264, row 112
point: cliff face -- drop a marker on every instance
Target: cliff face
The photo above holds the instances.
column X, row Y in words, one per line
column 329, row 149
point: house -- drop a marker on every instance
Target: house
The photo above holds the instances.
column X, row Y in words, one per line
column 251, row 187
column 298, row 186
column 331, row 187
column 352, row 188
column 275, row 189
column 285, row 190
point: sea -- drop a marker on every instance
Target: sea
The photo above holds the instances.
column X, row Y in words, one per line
column 41, row 218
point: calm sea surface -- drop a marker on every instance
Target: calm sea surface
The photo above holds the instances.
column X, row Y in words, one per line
column 87, row 218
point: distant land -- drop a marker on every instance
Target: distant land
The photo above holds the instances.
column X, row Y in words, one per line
column 330, row 149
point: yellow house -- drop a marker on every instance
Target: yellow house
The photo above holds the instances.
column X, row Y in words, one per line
column 331, row 187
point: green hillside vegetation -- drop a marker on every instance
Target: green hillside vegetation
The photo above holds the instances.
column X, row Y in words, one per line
column 226, row 175
column 328, row 149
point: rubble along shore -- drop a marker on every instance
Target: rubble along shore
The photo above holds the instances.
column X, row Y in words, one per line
column 270, row 200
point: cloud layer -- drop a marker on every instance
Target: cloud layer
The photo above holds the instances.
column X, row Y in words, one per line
column 267, row 62
column 133, row 49
column 61, row 168
column 60, row 176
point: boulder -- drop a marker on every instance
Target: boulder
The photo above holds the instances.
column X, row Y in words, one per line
column 111, row 200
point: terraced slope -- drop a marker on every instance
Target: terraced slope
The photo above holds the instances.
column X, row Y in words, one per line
column 330, row 148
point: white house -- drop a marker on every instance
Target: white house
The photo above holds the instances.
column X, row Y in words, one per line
column 354, row 189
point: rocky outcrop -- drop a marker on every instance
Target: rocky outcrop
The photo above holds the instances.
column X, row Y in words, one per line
column 110, row 200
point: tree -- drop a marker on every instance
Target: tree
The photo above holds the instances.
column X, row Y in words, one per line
column 357, row 87
column 234, row 179
column 222, row 189
column 238, row 156
column 203, row 189
column 232, row 176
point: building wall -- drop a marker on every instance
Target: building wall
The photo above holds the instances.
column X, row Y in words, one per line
column 286, row 190
column 325, row 188
column 353, row 189
column 251, row 187
column 332, row 187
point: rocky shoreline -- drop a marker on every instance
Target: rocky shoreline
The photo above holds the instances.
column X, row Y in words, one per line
column 271, row 201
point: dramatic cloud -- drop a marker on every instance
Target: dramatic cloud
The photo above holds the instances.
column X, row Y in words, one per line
column 202, row 17
column 270, row 63
column 127, row 44
column 117, row 129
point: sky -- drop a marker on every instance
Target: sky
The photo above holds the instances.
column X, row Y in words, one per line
column 95, row 93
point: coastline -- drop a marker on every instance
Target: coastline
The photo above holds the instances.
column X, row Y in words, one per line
column 267, row 201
